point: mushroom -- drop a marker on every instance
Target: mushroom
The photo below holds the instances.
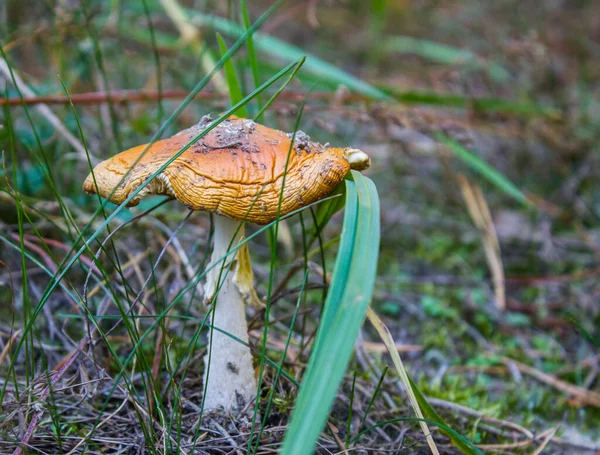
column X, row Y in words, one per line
column 237, row 172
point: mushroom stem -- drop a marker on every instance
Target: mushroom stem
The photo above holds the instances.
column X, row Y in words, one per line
column 229, row 377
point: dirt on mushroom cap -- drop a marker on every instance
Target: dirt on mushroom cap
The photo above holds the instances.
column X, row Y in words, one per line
column 236, row 170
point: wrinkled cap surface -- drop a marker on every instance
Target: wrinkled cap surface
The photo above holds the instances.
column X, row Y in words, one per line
column 236, row 170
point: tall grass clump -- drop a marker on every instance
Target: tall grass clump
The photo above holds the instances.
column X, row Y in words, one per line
column 109, row 302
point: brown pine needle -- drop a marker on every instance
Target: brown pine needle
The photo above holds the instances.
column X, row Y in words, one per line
column 583, row 396
column 547, row 438
column 481, row 216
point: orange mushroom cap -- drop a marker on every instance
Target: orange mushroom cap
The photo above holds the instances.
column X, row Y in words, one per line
column 235, row 170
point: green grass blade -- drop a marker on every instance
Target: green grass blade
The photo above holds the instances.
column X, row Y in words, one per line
column 523, row 108
column 156, row 54
column 345, row 307
column 99, row 58
column 441, row 426
column 486, row 171
column 593, row 339
column 448, row 55
column 280, row 49
column 281, row 89
column 26, row 298
column 372, row 400
column 254, row 66
column 235, row 89
column 431, row 414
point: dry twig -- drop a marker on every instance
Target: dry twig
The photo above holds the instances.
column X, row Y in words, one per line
column 581, row 395
column 44, row 110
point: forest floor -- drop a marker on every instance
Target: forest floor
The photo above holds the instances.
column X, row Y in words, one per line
column 486, row 159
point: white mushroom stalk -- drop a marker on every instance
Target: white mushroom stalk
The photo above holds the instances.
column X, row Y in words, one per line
column 229, row 379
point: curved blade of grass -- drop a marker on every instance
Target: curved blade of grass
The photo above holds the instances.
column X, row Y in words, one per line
column 30, row 257
column 344, row 312
column 461, row 443
column 280, row 89
column 441, row 426
column 251, row 52
column 486, row 171
column 287, row 52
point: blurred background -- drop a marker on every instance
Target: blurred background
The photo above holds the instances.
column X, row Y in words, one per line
column 482, row 120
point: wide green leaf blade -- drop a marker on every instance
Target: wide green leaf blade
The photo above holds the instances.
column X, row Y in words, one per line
column 347, row 302
column 287, row 52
